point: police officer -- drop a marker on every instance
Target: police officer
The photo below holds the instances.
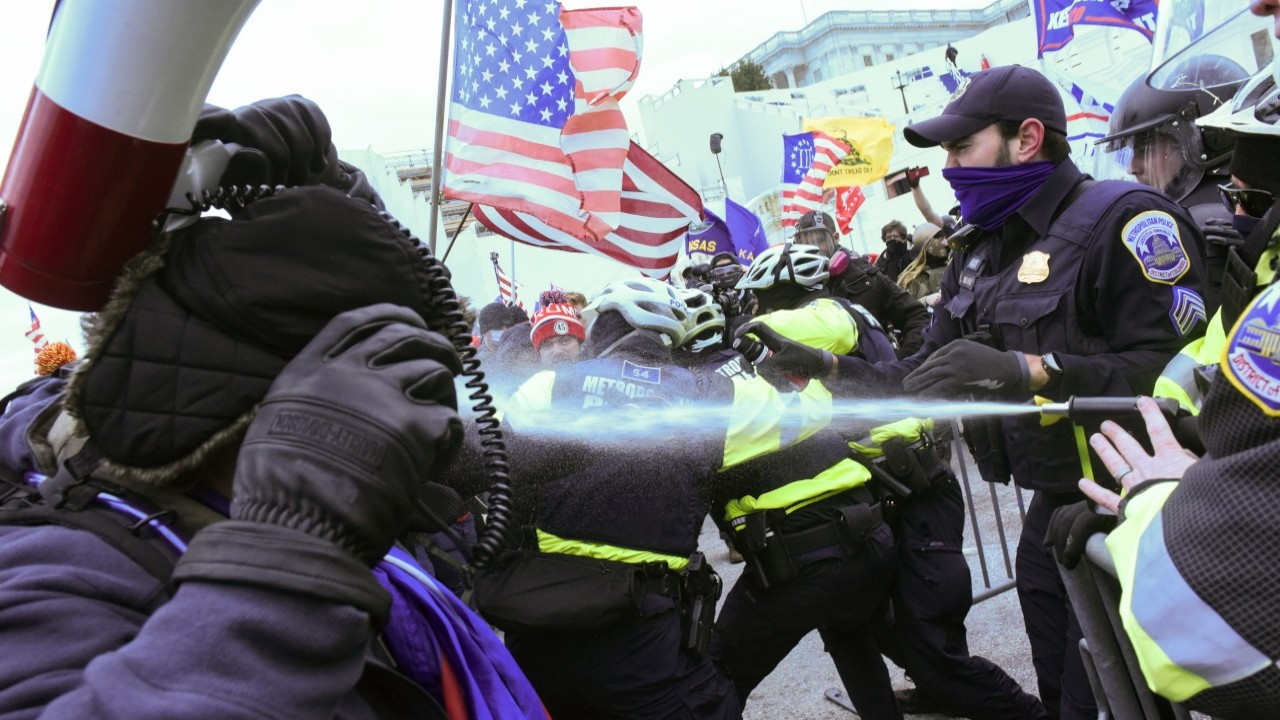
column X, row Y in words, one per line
column 608, row 606
column 1169, row 151
column 860, row 282
column 819, row 554
column 1193, row 551
column 932, row 590
column 1061, row 286
column 1253, row 185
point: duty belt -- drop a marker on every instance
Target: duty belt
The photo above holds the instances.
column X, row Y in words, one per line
column 776, row 554
column 904, row 469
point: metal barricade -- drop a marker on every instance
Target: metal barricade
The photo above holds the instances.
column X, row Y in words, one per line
column 961, row 462
column 1109, row 658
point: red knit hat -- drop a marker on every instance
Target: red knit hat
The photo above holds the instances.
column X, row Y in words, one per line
column 556, row 317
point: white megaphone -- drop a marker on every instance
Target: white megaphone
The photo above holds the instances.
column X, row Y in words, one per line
column 105, row 132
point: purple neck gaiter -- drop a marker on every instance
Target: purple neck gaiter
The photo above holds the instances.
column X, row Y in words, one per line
column 989, row 195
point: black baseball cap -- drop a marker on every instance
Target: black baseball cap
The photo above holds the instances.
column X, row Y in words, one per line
column 1007, row 92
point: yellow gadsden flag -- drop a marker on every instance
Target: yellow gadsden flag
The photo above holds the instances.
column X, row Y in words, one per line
column 872, row 141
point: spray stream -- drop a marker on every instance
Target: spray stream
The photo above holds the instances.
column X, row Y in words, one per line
column 658, row 423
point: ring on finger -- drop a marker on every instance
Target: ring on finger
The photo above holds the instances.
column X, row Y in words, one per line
column 1123, row 473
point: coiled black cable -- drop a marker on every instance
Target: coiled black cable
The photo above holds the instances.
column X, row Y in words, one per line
column 448, row 321
column 230, row 199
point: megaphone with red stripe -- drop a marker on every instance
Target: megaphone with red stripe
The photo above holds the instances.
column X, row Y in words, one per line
column 103, row 138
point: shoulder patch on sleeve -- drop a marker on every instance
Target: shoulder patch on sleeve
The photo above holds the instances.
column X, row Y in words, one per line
column 1251, row 358
column 1154, row 241
column 1188, row 310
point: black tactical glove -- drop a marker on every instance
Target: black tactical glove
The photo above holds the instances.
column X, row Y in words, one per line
column 1070, row 529
column 965, row 368
column 330, row 469
column 779, row 360
column 284, row 141
column 1220, row 231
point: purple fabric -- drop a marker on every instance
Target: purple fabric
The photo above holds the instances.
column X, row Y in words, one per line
column 29, row 400
column 989, row 195
column 429, row 625
column 1244, row 224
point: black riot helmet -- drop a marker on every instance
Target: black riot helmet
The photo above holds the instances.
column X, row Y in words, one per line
column 1153, row 132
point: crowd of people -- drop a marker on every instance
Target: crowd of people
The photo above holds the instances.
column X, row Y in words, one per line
column 256, row 494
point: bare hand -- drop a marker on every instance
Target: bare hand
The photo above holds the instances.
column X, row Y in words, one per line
column 1129, row 463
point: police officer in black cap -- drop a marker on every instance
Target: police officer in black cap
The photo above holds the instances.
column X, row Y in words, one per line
column 1154, row 132
column 1061, row 286
column 858, row 281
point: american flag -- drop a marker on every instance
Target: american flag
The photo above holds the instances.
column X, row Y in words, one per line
column 35, row 334
column 657, row 207
column 807, row 158
column 535, row 125
column 508, row 289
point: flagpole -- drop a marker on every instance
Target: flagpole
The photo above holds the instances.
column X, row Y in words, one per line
column 497, row 277
column 515, row 294
column 442, row 110
column 457, row 232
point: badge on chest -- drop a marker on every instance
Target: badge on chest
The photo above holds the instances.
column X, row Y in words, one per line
column 1034, row 267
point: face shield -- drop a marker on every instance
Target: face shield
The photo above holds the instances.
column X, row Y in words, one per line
column 1167, row 157
column 819, row 237
column 1224, row 28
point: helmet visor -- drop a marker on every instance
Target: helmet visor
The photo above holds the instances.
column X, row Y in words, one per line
column 1225, row 30
column 1167, row 158
column 819, row 237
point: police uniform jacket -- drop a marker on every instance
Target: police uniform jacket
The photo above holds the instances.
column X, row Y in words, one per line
column 1098, row 274
column 638, row 492
column 1196, row 559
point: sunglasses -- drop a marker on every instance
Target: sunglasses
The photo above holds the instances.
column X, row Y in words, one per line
column 1255, row 203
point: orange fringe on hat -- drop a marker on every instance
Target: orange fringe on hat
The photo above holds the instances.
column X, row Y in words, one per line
column 53, row 356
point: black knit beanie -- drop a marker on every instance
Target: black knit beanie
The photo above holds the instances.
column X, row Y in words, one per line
column 1256, row 160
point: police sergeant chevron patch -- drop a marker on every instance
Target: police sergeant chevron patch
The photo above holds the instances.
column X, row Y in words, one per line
column 1188, row 310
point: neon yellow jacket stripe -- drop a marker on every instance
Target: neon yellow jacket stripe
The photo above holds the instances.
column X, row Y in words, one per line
column 1183, row 646
column 549, row 543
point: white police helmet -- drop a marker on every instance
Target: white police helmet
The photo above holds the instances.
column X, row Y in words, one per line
column 646, row 304
column 705, row 323
column 1255, row 109
column 803, row 265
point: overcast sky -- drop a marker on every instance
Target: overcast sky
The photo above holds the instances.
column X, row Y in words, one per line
column 373, row 67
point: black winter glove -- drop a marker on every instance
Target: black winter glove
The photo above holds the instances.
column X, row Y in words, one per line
column 1220, row 231
column 965, row 368
column 1070, row 529
column 284, row 141
column 779, row 360
column 330, row 468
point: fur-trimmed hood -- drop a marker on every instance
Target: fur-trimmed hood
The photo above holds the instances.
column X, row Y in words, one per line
column 199, row 326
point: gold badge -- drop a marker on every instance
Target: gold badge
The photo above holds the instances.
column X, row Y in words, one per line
column 1034, row 268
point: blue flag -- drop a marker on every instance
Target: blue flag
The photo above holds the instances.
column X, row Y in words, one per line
column 797, row 157
column 739, row 232
column 713, row 238
column 1056, row 19
column 746, row 230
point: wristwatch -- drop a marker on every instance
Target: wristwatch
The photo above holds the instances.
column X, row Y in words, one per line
column 1052, row 367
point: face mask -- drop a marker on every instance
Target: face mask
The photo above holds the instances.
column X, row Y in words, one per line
column 989, row 195
column 1244, row 224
